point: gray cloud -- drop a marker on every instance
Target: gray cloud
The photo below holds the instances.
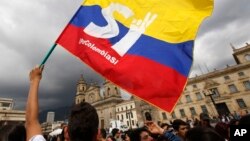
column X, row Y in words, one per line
column 28, row 28
column 229, row 23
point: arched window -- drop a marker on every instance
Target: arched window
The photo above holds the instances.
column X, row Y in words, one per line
column 116, row 90
column 148, row 116
column 81, row 88
column 92, row 97
column 108, row 91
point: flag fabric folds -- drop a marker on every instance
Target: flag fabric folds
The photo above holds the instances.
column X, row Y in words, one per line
column 143, row 46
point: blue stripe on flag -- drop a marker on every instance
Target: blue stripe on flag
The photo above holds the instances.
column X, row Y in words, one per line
column 177, row 56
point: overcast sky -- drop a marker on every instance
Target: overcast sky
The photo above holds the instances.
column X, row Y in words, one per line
column 28, row 28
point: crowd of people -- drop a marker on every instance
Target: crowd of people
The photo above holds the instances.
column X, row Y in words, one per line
column 178, row 130
column 83, row 125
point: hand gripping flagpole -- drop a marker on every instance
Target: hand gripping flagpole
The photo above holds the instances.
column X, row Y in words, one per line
column 47, row 55
column 53, row 47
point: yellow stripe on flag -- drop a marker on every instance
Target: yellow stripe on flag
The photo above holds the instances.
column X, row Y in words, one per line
column 176, row 21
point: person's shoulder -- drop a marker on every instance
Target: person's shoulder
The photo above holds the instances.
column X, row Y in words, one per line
column 37, row 138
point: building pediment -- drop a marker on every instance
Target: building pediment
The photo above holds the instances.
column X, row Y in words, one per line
column 210, row 83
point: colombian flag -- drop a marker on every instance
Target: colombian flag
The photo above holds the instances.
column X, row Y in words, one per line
column 143, row 46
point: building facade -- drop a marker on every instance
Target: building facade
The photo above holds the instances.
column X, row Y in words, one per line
column 6, row 104
column 126, row 113
column 219, row 92
column 105, row 104
column 8, row 115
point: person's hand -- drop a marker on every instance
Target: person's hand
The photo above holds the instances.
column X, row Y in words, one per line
column 154, row 128
column 36, row 73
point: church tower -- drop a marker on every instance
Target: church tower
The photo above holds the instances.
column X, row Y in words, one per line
column 93, row 94
column 87, row 92
column 110, row 90
column 81, row 90
column 104, row 103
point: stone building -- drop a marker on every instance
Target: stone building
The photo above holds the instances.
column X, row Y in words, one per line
column 110, row 105
column 8, row 115
column 218, row 92
column 126, row 113
column 105, row 103
column 132, row 112
column 6, row 104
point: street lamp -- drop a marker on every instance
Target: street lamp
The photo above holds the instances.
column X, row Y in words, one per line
column 210, row 93
column 129, row 112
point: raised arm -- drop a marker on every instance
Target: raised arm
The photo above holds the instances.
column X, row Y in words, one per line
column 33, row 126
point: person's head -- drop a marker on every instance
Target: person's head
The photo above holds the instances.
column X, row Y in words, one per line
column 127, row 138
column 83, row 123
column 203, row 134
column 245, row 120
column 116, row 133
column 140, row 134
column 12, row 132
column 181, row 127
column 125, row 135
column 101, row 134
column 205, row 120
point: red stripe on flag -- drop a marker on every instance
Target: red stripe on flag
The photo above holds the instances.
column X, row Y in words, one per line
column 153, row 82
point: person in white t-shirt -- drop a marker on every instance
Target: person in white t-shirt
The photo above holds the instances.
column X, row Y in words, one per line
column 83, row 121
column 33, row 127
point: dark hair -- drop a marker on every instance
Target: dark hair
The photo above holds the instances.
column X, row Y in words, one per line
column 128, row 132
column 203, row 134
column 114, row 131
column 83, row 122
column 54, row 138
column 13, row 132
column 123, row 136
column 245, row 120
column 103, row 133
column 177, row 123
column 135, row 135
